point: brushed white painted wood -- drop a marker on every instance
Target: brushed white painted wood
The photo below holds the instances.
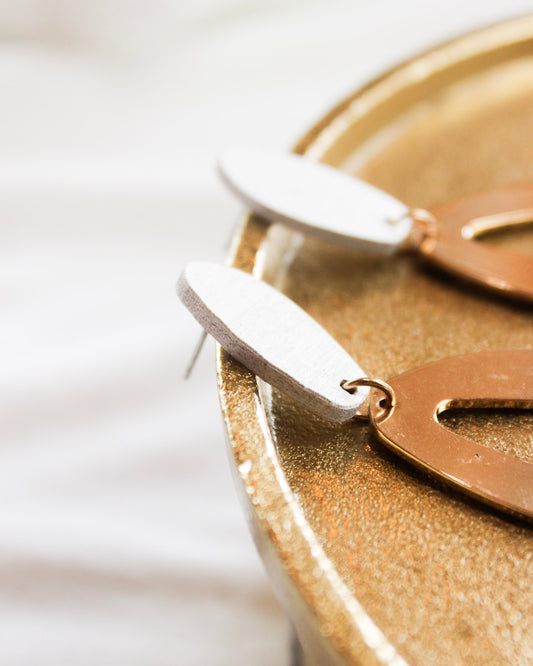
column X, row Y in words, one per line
column 315, row 198
column 273, row 337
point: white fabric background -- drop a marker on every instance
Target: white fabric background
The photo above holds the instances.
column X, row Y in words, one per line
column 121, row 539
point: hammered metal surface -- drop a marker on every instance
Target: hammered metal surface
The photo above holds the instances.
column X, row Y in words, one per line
column 339, row 518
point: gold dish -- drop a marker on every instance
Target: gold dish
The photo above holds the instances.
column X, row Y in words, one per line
column 374, row 561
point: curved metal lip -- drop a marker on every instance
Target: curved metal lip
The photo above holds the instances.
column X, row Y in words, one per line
column 351, row 635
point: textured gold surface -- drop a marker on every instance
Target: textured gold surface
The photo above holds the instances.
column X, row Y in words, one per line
column 348, row 531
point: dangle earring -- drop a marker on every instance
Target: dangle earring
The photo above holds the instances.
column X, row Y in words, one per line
column 320, row 200
column 285, row 347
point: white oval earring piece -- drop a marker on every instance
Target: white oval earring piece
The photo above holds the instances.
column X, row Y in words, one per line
column 273, row 337
column 316, row 199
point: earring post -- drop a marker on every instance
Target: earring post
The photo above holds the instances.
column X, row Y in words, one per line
column 195, row 355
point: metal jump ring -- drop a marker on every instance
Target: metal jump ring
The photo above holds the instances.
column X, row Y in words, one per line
column 420, row 215
column 424, row 220
column 379, row 384
column 424, row 226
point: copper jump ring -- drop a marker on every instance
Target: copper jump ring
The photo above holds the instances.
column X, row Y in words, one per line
column 424, row 227
column 425, row 221
column 389, row 400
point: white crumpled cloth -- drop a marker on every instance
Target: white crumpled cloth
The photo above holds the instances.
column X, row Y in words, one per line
column 121, row 539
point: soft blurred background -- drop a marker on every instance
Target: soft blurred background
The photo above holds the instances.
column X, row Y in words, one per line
column 121, row 538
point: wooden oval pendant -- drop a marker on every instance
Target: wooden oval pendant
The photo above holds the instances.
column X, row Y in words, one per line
column 502, row 378
column 453, row 245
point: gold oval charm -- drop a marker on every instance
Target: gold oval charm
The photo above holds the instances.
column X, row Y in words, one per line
column 502, row 378
column 452, row 244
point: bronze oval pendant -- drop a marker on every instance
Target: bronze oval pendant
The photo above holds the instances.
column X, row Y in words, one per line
column 502, row 378
column 454, row 248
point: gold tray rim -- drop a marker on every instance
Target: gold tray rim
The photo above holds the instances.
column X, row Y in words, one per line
column 331, row 624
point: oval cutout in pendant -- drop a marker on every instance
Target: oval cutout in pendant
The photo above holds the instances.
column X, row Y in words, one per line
column 502, row 378
column 454, row 247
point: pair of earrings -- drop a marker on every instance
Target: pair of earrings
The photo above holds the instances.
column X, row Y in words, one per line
column 284, row 346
